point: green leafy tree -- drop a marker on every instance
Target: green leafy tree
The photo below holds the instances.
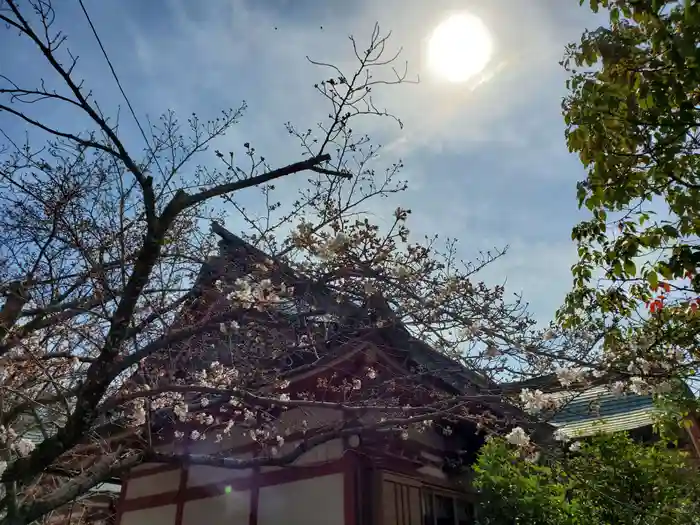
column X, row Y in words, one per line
column 513, row 490
column 632, row 116
column 609, row 479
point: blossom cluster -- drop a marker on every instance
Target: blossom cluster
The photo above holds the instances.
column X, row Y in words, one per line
column 333, row 246
column 217, row 376
column 536, row 401
column 12, row 441
column 570, row 376
column 518, row 437
column 641, row 384
column 248, row 293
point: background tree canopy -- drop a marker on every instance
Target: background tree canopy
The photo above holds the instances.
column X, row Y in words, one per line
column 632, row 115
column 610, row 479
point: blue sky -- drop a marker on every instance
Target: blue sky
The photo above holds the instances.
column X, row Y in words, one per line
column 487, row 165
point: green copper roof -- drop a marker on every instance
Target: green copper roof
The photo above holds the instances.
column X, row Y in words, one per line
column 598, row 410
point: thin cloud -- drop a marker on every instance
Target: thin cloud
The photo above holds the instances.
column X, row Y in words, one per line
column 486, row 161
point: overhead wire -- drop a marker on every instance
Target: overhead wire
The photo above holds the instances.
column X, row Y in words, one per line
column 119, row 84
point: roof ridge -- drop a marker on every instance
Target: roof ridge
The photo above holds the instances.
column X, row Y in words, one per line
column 376, row 302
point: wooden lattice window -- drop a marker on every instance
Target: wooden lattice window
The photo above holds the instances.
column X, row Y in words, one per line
column 407, row 501
column 439, row 508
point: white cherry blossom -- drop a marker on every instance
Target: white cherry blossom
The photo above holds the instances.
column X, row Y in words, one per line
column 560, row 435
column 180, row 411
column 518, row 437
column 535, row 401
column 639, row 386
column 569, row 376
column 24, row 447
column 639, row 366
column 617, row 388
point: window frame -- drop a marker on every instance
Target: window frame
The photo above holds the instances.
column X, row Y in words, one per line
column 424, row 488
column 453, row 496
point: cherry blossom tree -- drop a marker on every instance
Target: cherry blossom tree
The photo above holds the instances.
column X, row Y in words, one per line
column 123, row 325
column 106, row 261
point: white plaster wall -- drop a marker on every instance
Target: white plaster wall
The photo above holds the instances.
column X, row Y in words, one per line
column 324, row 452
column 227, row 509
column 144, row 466
column 428, row 437
column 237, row 438
column 153, row 516
column 315, row 501
column 203, row 475
column 153, row 484
column 435, row 472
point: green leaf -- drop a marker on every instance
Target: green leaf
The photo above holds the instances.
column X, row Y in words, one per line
column 670, row 230
column 666, row 271
column 617, row 269
column 614, row 15
column 653, row 279
column 630, row 267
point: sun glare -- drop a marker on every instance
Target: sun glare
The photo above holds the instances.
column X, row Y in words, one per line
column 459, row 48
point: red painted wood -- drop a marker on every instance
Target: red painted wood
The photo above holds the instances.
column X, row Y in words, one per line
column 146, row 502
column 184, row 474
column 264, row 479
column 254, row 497
column 120, row 504
column 156, row 469
column 350, row 473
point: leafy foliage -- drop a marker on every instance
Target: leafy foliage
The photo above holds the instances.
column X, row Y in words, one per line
column 632, row 114
column 610, row 479
column 512, row 490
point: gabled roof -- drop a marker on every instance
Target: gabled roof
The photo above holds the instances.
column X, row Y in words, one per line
column 237, row 251
column 237, row 258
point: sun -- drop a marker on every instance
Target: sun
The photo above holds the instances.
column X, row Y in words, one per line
column 459, row 48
